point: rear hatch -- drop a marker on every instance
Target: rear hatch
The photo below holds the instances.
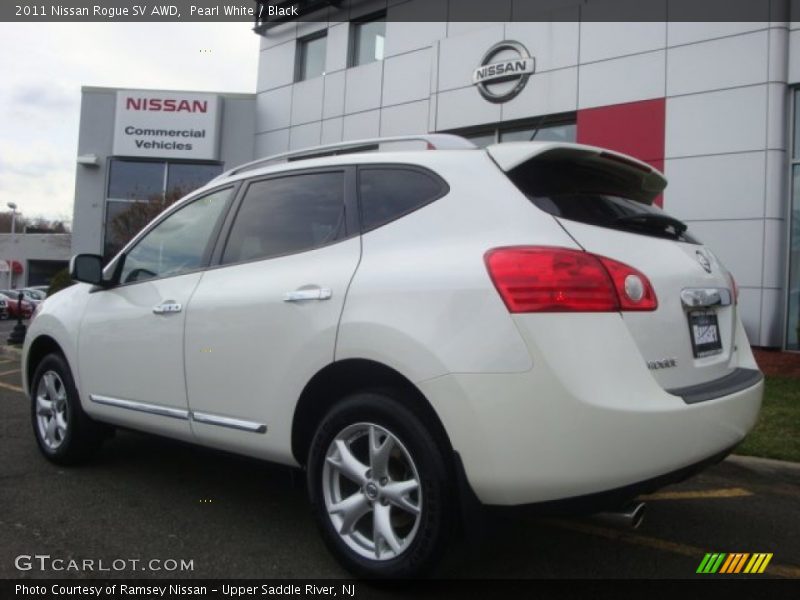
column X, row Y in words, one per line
column 604, row 201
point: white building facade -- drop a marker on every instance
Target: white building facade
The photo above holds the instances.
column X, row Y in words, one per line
column 713, row 105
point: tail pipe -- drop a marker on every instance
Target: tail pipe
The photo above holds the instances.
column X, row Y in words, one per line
column 630, row 516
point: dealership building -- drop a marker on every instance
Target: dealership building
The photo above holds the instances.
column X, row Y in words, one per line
column 136, row 146
column 713, row 105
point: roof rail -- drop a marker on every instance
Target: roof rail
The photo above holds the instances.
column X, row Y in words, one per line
column 434, row 141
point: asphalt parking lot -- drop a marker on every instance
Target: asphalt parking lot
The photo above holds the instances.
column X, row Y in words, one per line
column 6, row 325
column 148, row 498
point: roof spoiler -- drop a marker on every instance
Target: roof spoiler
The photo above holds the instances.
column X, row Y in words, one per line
column 649, row 182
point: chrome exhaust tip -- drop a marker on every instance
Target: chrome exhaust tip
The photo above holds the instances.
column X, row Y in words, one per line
column 631, row 516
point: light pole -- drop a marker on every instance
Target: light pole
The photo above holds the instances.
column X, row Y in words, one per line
column 13, row 207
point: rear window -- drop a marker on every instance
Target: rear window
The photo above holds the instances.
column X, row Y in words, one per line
column 578, row 191
column 287, row 215
column 388, row 193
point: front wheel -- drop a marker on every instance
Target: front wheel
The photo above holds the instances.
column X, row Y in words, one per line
column 379, row 488
column 64, row 433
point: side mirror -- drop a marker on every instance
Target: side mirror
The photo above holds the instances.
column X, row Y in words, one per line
column 87, row 268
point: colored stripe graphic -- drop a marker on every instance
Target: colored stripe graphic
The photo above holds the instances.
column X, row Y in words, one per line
column 711, row 563
column 703, row 563
column 758, row 563
column 727, row 564
column 733, row 563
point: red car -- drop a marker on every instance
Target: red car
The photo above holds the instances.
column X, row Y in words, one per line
column 13, row 307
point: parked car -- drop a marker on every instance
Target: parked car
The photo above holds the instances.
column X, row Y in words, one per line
column 29, row 296
column 3, row 308
column 419, row 330
column 14, row 307
column 34, row 294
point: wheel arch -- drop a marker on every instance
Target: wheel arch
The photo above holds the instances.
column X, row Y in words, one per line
column 39, row 348
column 338, row 379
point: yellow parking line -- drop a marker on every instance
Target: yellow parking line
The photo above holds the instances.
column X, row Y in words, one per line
column 8, row 386
column 9, row 372
column 789, row 571
column 698, row 494
column 5, row 360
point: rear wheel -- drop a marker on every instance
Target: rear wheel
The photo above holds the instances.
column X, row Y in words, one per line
column 379, row 488
column 64, row 433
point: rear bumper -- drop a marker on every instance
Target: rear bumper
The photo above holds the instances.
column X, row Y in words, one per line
column 740, row 379
column 618, row 497
column 587, row 418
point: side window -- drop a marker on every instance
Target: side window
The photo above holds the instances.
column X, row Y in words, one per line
column 310, row 57
column 177, row 244
column 389, row 193
column 287, row 215
column 368, row 40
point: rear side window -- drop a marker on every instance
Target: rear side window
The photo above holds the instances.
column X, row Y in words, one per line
column 287, row 215
column 579, row 191
column 387, row 193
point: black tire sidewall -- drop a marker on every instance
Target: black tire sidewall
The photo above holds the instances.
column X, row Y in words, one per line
column 436, row 519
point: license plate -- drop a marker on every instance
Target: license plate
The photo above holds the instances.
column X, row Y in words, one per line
column 704, row 330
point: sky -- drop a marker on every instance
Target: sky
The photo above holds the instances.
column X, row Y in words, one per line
column 45, row 64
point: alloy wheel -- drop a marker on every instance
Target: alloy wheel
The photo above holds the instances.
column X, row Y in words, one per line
column 372, row 491
column 51, row 410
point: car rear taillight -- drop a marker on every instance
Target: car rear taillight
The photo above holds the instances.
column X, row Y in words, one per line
column 634, row 290
column 548, row 279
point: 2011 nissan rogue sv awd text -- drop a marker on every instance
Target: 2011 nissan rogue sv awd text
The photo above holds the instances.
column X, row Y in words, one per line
column 517, row 324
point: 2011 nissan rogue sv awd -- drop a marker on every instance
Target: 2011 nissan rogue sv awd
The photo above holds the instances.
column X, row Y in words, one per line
column 517, row 324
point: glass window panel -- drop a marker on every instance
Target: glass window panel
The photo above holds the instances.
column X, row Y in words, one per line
column 481, row 139
column 135, row 180
column 117, row 231
column 565, row 132
column 183, row 178
column 368, row 41
column 287, row 215
column 797, row 124
column 312, row 58
column 177, row 244
column 387, row 194
column 793, row 317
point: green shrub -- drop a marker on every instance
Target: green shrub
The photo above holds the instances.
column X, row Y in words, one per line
column 59, row 281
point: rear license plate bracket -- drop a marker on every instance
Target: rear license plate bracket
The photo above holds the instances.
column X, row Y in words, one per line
column 704, row 333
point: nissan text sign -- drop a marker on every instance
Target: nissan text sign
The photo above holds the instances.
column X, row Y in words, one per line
column 167, row 125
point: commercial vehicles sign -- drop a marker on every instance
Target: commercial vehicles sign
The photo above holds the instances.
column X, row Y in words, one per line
column 167, row 125
column 501, row 80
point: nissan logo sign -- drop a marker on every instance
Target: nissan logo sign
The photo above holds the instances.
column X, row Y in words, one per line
column 515, row 69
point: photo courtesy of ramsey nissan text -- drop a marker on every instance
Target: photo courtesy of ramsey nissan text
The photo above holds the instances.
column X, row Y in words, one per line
column 399, row 298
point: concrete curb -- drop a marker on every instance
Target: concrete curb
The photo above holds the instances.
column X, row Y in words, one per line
column 762, row 464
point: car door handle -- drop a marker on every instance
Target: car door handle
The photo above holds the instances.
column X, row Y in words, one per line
column 166, row 307
column 308, row 294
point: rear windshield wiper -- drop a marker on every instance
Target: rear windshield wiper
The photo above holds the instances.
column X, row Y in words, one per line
column 651, row 221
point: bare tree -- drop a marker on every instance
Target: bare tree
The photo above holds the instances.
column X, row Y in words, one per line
column 44, row 225
column 5, row 222
column 124, row 226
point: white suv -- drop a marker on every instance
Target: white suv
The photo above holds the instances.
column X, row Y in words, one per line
column 416, row 328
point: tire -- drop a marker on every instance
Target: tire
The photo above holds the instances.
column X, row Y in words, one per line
column 64, row 433
column 400, row 494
